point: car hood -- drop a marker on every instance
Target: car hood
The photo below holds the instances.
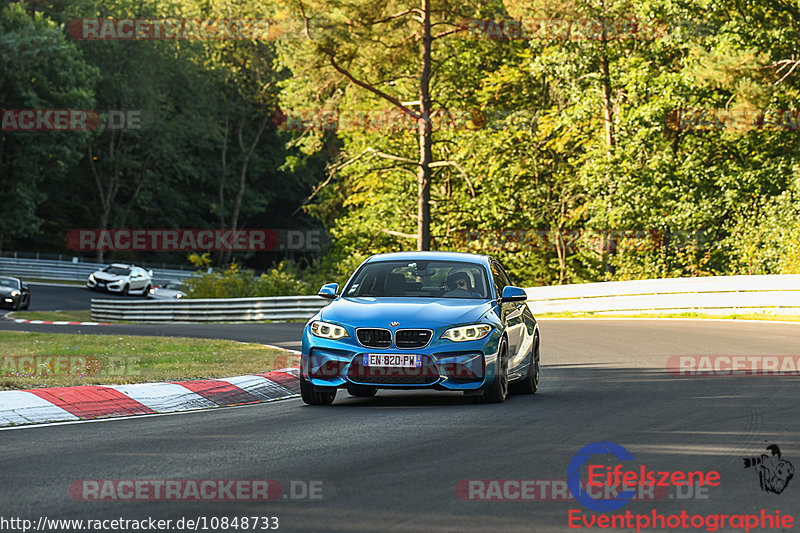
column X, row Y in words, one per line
column 5, row 291
column 409, row 312
column 102, row 276
column 167, row 293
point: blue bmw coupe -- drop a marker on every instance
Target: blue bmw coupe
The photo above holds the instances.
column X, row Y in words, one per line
column 422, row 320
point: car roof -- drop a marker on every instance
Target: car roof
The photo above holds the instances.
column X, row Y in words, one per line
column 430, row 256
column 9, row 277
column 120, row 265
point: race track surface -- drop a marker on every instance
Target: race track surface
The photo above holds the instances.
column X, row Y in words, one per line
column 392, row 463
column 66, row 297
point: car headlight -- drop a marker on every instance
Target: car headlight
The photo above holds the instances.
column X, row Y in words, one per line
column 179, row 296
column 326, row 330
column 467, row 333
column 91, row 277
column 14, row 294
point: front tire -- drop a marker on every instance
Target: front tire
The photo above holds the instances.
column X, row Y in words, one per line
column 126, row 290
column 530, row 384
column 498, row 391
column 312, row 396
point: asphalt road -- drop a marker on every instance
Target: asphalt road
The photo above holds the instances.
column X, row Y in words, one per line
column 52, row 297
column 392, row 463
column 66, row 297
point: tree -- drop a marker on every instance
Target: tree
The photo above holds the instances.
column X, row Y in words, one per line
column 40, row 69
column 371, row 51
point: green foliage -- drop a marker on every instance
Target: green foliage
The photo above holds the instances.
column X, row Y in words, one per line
column 286, row 279
column 536, row 158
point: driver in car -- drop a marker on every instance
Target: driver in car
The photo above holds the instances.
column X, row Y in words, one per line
column 459, row 286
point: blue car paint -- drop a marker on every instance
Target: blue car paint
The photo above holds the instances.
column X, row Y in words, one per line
column 437, row 314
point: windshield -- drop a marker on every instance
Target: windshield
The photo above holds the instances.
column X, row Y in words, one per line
column 425, row 279
column 173, row 286
column 117, row 271
column 9, row 282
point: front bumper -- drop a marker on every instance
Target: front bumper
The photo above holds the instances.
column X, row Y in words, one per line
column 446, row 365
column 109, row 286
column 10, row 301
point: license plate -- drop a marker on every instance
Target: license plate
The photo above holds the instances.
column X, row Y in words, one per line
column 393, row 360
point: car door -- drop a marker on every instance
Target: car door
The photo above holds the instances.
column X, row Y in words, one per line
column 512, row 316
column 137, row 279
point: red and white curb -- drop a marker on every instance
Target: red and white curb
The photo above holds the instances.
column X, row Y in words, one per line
column 52, row 322
column 84, row 402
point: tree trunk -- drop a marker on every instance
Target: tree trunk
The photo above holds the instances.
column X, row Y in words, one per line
column 246, row 156
column 107, row 191
column 425, row 139
column 608, row 119
column 608, row 110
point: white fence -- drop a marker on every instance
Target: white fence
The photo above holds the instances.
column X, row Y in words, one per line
column 208, row 310
column 776, row 294
column 712, row 295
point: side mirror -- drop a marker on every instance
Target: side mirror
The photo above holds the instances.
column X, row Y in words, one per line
column 513, row 294
column 328, row 291
column 150, row 273
column 24, row 286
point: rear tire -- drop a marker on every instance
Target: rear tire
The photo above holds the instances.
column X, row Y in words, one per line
column 362, row 391
column 498, row 391
column 530, row 384
column 27, row 304
column 312, row 396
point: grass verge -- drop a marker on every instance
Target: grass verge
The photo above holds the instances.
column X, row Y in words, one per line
column 79, row 315
column 32, row 360
column 732, row 316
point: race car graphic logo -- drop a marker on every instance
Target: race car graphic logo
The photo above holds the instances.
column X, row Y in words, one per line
column 774, row 472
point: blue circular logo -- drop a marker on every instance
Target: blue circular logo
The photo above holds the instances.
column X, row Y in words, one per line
column 574, row 477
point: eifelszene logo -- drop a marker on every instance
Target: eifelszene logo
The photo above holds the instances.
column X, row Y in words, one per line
column 774, row 472
column 612, row 477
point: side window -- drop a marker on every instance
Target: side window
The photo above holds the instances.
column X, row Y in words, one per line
column 498, row 279
column 506, row 278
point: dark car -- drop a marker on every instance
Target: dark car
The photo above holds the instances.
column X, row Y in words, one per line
column 14, row 294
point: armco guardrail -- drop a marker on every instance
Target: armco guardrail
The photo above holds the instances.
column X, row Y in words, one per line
column 713, row 295
column 778, row 294
column 208, row 309
column 47, row 269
